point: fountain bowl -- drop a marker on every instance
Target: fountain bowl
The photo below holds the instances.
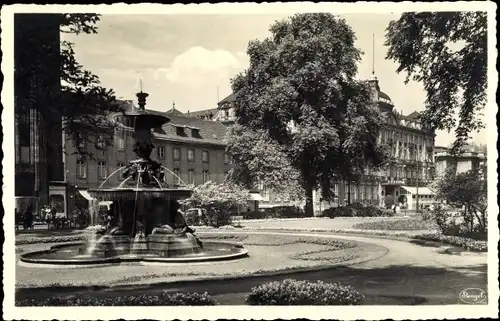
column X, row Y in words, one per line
column 73, row 254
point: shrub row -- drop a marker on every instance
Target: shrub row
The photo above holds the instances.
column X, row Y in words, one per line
column 285, row 292
column 293, row 292
column 276, row 212
column 467, row 243
column 164, row 299
column 356, row 210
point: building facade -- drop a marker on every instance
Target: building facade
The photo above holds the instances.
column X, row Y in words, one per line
column 469, row 160
column 410, row 169
column 38, row 164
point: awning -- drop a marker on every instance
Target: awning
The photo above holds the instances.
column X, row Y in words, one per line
column 85, row 194
column 105, row 203
column 256, row 197
column 421, row 190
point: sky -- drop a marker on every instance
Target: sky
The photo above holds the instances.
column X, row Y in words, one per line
column 190, row 59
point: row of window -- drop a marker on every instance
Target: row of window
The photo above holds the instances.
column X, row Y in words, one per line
column 386, row 134
column 176, row 155
column 102, row 173
column 176, row 152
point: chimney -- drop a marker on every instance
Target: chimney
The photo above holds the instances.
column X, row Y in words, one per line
column 141, row 97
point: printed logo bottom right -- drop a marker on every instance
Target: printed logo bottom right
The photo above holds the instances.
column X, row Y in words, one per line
column 473, row 296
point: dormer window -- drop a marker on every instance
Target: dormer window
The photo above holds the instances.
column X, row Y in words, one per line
column 180, row 131
column 195, row 132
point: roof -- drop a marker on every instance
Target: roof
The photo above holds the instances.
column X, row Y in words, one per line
column 226, row 100
column 203, row 112
column 173, row 111
column 207, row 131
column 382, row 94
column 413, row 116
column 421, row 190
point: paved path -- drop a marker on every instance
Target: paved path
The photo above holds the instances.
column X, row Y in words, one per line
column 408, row 270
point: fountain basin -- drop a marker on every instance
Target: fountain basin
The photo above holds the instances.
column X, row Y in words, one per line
column 71, row 254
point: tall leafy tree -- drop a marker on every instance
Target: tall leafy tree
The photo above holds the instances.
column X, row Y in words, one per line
column 468, row 190
column 300, row 98
column 447, row 52
column 80, row 99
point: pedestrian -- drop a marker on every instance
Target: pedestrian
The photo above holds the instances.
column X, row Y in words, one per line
column 18, row 217
column 28, row 218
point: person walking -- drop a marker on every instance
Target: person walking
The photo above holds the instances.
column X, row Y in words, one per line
column 28, row 218
column 18, row 217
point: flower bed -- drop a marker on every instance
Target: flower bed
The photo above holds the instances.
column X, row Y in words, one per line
column 394, row 225
column 467, row 243
column 293, row 292
column 52, row 239
column 164, row 299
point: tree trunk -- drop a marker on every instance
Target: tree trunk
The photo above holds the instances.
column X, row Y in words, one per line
column 349, row 193
column 309, row 210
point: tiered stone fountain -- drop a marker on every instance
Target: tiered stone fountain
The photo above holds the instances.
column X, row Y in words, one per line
column 144, row 223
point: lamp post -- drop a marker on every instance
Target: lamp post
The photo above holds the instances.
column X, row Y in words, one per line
column 418, row 209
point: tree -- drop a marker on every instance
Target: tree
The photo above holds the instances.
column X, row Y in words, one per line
column 299, row 100
column 263, row 161
column 77, row 103
column 218, row 200
column 469, row 191
column 455, row 80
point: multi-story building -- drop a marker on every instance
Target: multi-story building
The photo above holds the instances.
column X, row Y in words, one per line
column 191, row 149
column 38, row 164
column 411, row 164
column 410, row 169
column 469, row 160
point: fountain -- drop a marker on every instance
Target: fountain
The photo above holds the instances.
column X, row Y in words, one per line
column 144, row 222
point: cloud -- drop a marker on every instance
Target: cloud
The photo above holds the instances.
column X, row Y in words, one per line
column 198, row 64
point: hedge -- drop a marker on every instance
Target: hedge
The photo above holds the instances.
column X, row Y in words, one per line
column 164, row 299
column 356, row 210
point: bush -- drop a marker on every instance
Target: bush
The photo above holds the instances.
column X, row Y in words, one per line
column 192, row 218
column 286, row 212
column 293, row 292
column 254, row 215
column 388, row 201
column 455, row 223
column 357, row 206
column 164, row 299
column 216, row 218
column 351, row 211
